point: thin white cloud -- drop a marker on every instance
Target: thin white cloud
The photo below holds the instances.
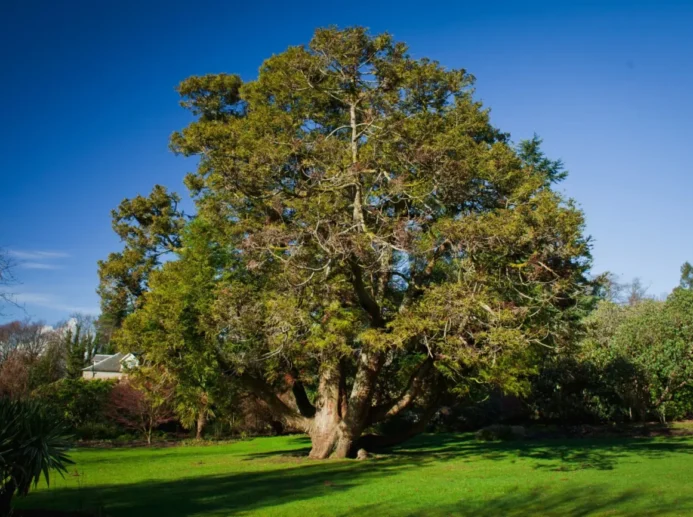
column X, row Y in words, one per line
column 45, row 260
column 38, row 255
column 34, row 298
column 38, row 265
column 49, row 301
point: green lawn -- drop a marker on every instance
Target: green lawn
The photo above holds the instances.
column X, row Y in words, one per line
column 434, row 475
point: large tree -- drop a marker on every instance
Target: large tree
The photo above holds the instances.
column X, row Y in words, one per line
column 383, row 245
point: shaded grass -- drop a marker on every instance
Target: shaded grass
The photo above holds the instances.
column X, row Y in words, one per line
column 434, row 475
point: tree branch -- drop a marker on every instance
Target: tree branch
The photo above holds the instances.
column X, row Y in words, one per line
column 372, row 442
column 358, row 407
column 264, row 392
column 302, row 402
column 364, row 297
column 407, row 396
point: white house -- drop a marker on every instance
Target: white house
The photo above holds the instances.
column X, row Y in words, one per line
column 109, row 366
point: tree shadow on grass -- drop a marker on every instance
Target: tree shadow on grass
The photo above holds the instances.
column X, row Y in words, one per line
column 295, row 478
column 239, row 493
column 555, row 455
column 217, row 494
column 564, row 503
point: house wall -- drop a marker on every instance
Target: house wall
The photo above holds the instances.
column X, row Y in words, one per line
column 102, row 375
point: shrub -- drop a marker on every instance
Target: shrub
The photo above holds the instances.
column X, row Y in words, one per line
column 141, row 404
column 97, row 431
column 500, row 432
column 79, row 402
column 32, row 443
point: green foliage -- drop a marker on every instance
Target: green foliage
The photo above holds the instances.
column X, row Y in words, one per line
column 98, row 431
column 635, row 363
column 77, row 401
column 170, row 328
column 352, row 201
column 143, row 402
column 49, row 367
column 148, row 228
column 32, row 443
column 80, row 341
column 76, row 353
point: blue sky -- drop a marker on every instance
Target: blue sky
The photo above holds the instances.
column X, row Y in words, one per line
column 89, row 104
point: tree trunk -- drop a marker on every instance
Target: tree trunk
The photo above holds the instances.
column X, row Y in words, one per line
column 201, row 423
column 337, row 430
column 339, row 417
column 325, row 424
column 323, row 443
column 344, row 447
column 358, row 410
column 6, row 494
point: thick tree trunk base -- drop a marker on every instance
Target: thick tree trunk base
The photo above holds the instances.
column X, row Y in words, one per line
column 340, row 448
column 323, row 445
column 344, row 448
column 337, row 444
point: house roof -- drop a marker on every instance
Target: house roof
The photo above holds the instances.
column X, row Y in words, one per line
column 107, row 363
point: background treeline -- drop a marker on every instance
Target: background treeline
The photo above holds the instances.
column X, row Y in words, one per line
column 44, row 364
column 632, row 362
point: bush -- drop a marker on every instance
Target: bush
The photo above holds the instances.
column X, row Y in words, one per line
column 97, row 431
column 125, row 438
column 32, row 443
column 79, row 402
column 500, row 432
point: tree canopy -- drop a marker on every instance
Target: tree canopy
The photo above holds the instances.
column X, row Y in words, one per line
column 365, row 243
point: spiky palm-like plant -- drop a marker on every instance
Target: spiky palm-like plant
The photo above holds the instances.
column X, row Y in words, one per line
column 32, row 443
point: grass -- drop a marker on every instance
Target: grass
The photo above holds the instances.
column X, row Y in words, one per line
column 434, row 475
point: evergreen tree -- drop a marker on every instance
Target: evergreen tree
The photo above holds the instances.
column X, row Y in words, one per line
column 371, row 243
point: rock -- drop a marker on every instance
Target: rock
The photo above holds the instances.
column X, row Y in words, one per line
column 362, row 454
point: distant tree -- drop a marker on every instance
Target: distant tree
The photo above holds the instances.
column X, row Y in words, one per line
column 644, row 352
column 614, row 390
column 636, row 292
column 6, row 279
column 193, row 408
column 81, row 342
column 51, row 364
column 24, row 354
column 381, row 243
column 15, row 376
column 142, row 403
column 609, row 288
column 686, row 276
column 149, row 228
column 26, row 336
column 169, row 330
